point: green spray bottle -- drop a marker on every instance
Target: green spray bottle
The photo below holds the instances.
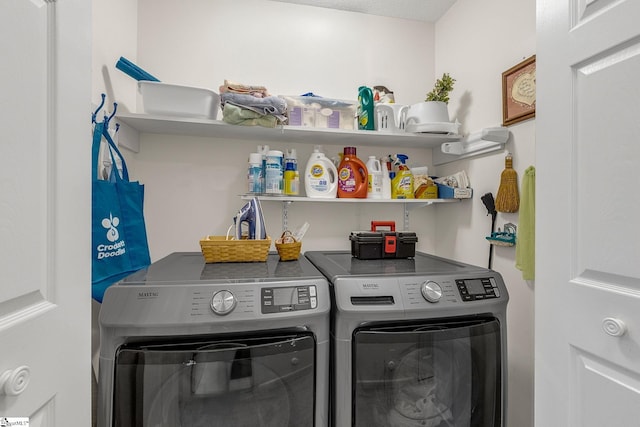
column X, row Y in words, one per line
column 365, row 108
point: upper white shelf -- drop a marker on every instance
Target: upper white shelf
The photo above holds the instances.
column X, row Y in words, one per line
column 215, row 128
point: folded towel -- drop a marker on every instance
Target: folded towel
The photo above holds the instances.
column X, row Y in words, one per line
column 257, row 91
column 269, row 105
column 526, row 237
column 236, row 115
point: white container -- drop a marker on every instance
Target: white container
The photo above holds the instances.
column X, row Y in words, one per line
column 430, row 117
column 274, row 172
column 320, row 176
column 263, row 150
column 374, row 178
column 324, row 113
column 179, row 101
column 386, row 181
column 428, row 112
column 291, row 176
column 254, row 173
column 391, row 117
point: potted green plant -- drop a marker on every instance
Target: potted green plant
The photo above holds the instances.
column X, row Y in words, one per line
column 432, row 114
column 441, row 89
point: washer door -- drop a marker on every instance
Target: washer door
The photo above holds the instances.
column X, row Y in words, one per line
column 252, row 381
column 440, row 374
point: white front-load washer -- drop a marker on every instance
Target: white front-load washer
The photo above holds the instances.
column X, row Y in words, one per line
column 188, row 344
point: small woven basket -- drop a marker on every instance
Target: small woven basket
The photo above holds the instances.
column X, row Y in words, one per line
column 288, row 247
column 219, row 249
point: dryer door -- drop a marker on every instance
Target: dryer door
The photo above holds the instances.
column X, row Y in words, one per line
column 258, row 381
column 425, row 374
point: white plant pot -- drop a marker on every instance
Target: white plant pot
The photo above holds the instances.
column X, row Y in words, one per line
column 428, row 112
column 430, row 117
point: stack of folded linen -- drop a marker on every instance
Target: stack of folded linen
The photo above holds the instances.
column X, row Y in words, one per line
column 251, row 105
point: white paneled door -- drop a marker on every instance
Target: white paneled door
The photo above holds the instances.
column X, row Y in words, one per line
column 587, row 304
column 45, row 197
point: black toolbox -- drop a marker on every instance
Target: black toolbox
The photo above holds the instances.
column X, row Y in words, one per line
column 376, row 244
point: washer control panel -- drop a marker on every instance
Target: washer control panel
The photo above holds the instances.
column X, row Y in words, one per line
column 477, row 289
column 286, row 299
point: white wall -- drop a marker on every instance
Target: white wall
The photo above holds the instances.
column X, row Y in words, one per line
column 192, row 184
column 475, row 43
column 115, row 34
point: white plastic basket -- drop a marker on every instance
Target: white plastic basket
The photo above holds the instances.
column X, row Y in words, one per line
column 181, row 101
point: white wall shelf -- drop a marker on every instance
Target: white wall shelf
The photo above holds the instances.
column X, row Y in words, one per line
column 132, row 124
column 291, row 199
column 407, row 204
column 218, row 129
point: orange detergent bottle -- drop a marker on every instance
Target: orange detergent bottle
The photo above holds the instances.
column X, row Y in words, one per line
column 352, row 175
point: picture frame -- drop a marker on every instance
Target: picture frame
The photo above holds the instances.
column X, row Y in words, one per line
column 519, row 92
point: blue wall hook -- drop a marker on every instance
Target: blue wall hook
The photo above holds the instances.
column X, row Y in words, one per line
column 108, row 119
column 95, row 113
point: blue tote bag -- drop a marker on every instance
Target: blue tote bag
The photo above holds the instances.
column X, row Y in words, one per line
column 118, row 231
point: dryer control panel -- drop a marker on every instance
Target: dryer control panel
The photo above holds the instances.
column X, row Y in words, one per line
column 292, row 298
column 477, row 289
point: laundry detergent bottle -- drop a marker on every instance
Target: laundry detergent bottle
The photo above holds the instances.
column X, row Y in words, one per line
column 352, row 176
column 320, row 176
column 375, row 178
column 365, row 108
column 386, row 178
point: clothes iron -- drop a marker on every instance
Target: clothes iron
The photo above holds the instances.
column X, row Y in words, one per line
column 251, row 213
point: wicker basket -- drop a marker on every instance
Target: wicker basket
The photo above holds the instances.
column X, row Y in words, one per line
column 219, row 249
column 288, row 247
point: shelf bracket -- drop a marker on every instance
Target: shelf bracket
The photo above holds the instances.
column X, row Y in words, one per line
column 128, row 137
column 485, row 141
column 285, row 215
column 405, row 218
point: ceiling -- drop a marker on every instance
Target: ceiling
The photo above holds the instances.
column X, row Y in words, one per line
column 419, row 10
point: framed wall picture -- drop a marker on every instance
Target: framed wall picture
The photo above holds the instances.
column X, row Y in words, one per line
column 519, row 92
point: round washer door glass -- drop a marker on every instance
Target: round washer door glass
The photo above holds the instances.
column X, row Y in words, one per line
column 440, row 374
column 253, row 381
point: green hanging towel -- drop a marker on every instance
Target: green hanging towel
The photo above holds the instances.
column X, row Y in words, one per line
column 526, row 238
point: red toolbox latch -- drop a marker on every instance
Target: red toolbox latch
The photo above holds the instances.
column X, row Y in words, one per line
column 390, row 244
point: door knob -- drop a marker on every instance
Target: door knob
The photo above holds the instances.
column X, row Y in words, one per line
column 14, row 382
column 614, row 327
